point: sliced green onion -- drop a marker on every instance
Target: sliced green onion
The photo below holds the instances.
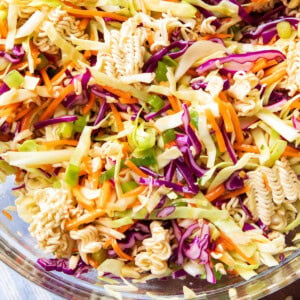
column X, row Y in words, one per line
column 14, row 79
column 170, row 62
column 169, row 136
column 80, row 123
column 6, row 168
column 142, row 138
column 43, row 62
column 156, row 102
column 99, row 256
column 194, row 118
column 161, row 72
column 72, row 174
column 65, row 130
column 29, row 145
column 284, row 29
column 128, row 186
column 107, row 175
column 146, row 161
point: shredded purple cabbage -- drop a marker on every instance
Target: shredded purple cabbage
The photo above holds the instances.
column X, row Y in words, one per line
column 57, row 120
column 16, row 56
column 238, row 62
column 234, row 182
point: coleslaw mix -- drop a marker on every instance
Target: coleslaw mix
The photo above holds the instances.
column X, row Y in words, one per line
column 153, row 138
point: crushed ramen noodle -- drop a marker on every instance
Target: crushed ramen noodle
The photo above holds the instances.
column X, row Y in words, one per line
column 153, row 138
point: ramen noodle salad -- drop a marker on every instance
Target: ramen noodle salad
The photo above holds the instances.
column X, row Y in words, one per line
column 153, row 138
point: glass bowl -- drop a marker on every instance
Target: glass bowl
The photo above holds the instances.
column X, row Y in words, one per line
column 18, row 251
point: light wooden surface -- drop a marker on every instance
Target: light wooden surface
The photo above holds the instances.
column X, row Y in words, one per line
column 14, row 287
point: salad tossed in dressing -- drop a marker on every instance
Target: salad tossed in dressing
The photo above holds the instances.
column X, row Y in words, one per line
column 153, row 138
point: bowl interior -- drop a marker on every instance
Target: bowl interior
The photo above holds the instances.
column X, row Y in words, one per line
column 18, row 250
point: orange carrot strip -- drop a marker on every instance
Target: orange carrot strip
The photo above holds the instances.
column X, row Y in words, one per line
column 175, row 1
column 130, row 100
column 85, row 203
column 295, row 104
column 106, row 192
column 246, row 148
column 22, row 113
column 61, row 72
column 134, row 192
column 236, row 123
column 94, row 13
column 51, row 108
column 215, row 193
column 192, row 72
column 3, row 29
column 86, row 218
column 83, row 23
column 124, row 228
column 225, row 113
column 291, row 153
column 235, row 193
column 219, row 136
column 7, row 214
column 89, row 105
column 174, row 103
column 119, row 251
column 52, row 144
column 266, row 181
column 236, row 248
column 273, row 78
column 47, row 81
column 217, row 35
column 117, row 92
column 276, row 68
column 135, row 169
column 260, row 64
column 117, row 117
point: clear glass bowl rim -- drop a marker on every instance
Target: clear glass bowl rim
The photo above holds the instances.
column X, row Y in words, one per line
column 265, row 283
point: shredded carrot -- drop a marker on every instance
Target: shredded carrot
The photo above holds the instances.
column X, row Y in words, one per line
column 52, row 144
column 295, row 104
column 135, row 169
column 94, row 13
column 117, row 92
column 89, row 105
column 106, row 193
column 51, row 108
column 35, row 52
column 219, row 136
column 134, row 192
column 225, row 113
column 266, row 181
column 217, row 35
column 7, row 214
column 3, row 29
column 273, row 78
column 227, row 241
column 278, row 67
column 215, row 193
column 236, row 123
column 86, row 218
column 83, row 23
column 291, row 153
column 85, row 203
column 22, row 113
column 61, row 72
column 107, row 243
column 175, row 1
column 174, row 103
column 124, row 228
column 47, row 81
column 246, row 148
column 192, row 72
column 119, row 251
column 117, row 117
column 130, row 100
column 170, row 144
column 236, row 193
column 260, row 64
column 223, row 96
